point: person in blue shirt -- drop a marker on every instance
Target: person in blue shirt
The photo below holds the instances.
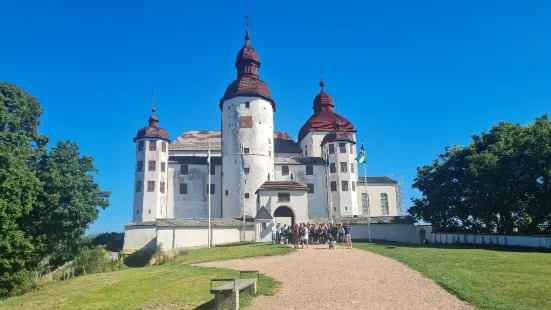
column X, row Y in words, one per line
column 347, row 235
column 278, row 233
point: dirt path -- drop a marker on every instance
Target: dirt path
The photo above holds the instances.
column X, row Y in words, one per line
column 317, row 278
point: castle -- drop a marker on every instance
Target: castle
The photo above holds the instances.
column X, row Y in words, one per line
column 252, row 166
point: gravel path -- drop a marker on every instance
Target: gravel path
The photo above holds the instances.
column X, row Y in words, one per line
column 354, row 279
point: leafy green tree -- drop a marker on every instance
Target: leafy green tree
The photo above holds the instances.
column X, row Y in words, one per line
column 501, row 182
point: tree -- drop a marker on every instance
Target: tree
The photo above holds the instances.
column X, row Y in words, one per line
column 501, row 182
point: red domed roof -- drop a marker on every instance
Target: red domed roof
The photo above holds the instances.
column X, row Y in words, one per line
column 153, row 130
column 247, row 83
column 324, row 117
column 338, row 136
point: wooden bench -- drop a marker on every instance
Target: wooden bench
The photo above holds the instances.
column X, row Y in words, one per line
column 226, row 296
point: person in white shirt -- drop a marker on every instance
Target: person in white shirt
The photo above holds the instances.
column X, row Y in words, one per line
column 274, row 235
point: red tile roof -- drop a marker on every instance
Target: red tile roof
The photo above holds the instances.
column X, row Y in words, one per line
column 153, row 130
column 282, row 185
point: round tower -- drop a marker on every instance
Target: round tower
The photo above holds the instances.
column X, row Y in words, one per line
column 343, row 170
column 151, row 172
column 247, row 132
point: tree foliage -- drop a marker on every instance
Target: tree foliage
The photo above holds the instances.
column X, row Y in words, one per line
column 499, row 183
column 47, row 199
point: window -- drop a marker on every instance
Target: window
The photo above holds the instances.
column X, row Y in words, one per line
column 246, row 170
column 333, row 186
column 352, row 168
column 212, row 170
column 183, row 189
column 351, row 149
column 150, row 186
column 342, row 147
column 163, row 167
column 344, row 167
column 269, row 152
column 152, row 146
column 184, row 169
column 332, row 168
column 163, row 147
column 365, row 201
column 139, row 186
column 212, row 190
column 162, row 187
column 263, row 226
column 284, row 170
column 268, row 177
column 247, row 195
column 247, row 105
column 269, row 141
column 306, row 153
column 309, row 170
column 310, row 187
column 384, row 204
column 139, row 168
column 331, row 148
column 140, row 146
column 283, row 197
column 353, row 186
column 151, row 166
column 226, row 192
column 246, row 150
column 344, row 185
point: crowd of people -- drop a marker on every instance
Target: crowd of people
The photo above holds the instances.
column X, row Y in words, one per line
column 304, row 234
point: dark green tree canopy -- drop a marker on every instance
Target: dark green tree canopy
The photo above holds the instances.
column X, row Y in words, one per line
column 500, row 183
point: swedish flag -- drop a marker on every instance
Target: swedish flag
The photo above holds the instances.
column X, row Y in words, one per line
column 242, row 160
column 361, row 157
column 326, row 158
column 208, row 157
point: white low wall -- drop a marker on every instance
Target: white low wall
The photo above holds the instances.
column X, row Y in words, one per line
column 511, row 240
column 405, row 233
column 139, row 236
column 186, row 237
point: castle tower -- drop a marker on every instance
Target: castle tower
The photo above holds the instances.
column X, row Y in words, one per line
column 247, row 126
column 343, row 170
column 151, row 171
column 320, row 124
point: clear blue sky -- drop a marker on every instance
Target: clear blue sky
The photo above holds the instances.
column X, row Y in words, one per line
column 413, row 76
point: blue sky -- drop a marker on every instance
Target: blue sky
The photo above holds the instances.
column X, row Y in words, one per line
column 413, row 76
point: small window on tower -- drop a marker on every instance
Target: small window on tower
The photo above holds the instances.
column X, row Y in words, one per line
column 163, row 167
column 342, row 147
column 309, row 170
column 247, row 105
column 344, row 167
column 351, row 149
column 283, row 197
column 184, row 169
column 333, row 186
column 226, row 192
column 150, row 186
column 269, row 141
column 247, row 195
column 212, row 170
column 152, row 165
column 139, row 168
column 138, row 186
column 212, row 189
column 163, row 147
column 246, row 170
column 246, row 150
column 183, row 188
column 284, row 170
column 352, row 168
column 162, row 187
column 353, row 186
column 332, row 168
column 140, row 146
column 152, row 145
column 344, row 185
column 269, row 152
column 331, row 148
column 310, row 187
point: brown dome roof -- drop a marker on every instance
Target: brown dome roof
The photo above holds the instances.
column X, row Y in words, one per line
column 153, row 130
column 338, row 136
column 247, row 82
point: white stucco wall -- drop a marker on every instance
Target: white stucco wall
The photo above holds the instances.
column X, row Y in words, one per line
column 148, row 206
column 374, row 192
column 298, row 203
column 139, row 236
column 317, row 201
column 343, row 202
column 312, row 143
column 194, row 204
column 510, row 240
column 186, row 237
column 259, row 140
column 405, row 233
column 263, row 235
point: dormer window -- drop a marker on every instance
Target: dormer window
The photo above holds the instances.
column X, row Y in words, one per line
column 247, row 105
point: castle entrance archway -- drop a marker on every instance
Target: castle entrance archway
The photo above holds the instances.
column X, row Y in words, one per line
column 284, row 215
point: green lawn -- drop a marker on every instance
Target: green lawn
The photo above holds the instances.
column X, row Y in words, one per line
column 175, row 285
column 489, row 278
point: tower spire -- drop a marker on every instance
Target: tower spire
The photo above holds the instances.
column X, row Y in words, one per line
column 322, row 83
column 247, row 35
column 154, row 106
column 153, row 119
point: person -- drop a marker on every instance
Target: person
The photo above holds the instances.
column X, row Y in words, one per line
column 347, row 235
column 341, row 233
column 296, row 233
column 331, row 242
column 305, row 231
column 274, row 234
column 278, row 233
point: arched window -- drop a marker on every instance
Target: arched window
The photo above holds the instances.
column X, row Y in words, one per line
column 365, row 204
column 384, row 204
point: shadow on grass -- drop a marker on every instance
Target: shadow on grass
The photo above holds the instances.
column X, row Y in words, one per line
column 489, row 247
column 141, row 257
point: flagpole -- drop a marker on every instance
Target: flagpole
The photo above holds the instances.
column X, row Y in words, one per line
column 210, row 233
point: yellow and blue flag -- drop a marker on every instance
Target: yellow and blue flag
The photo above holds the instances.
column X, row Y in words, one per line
column 327, row 158
column 361, row 157
column 208, row 157
column 242, row 160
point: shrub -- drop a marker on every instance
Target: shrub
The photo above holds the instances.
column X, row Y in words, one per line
column 93, row 261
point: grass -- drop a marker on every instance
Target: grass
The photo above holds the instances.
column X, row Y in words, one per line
column 489, row 277
column 174, row 285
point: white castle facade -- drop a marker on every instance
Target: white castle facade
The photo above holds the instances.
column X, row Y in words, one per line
column 289, row 179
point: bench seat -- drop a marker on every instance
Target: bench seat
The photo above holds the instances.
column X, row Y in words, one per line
column 226, row 296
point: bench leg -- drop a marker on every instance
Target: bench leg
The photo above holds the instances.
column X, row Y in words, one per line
column 226, row 301
column 251, row 289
